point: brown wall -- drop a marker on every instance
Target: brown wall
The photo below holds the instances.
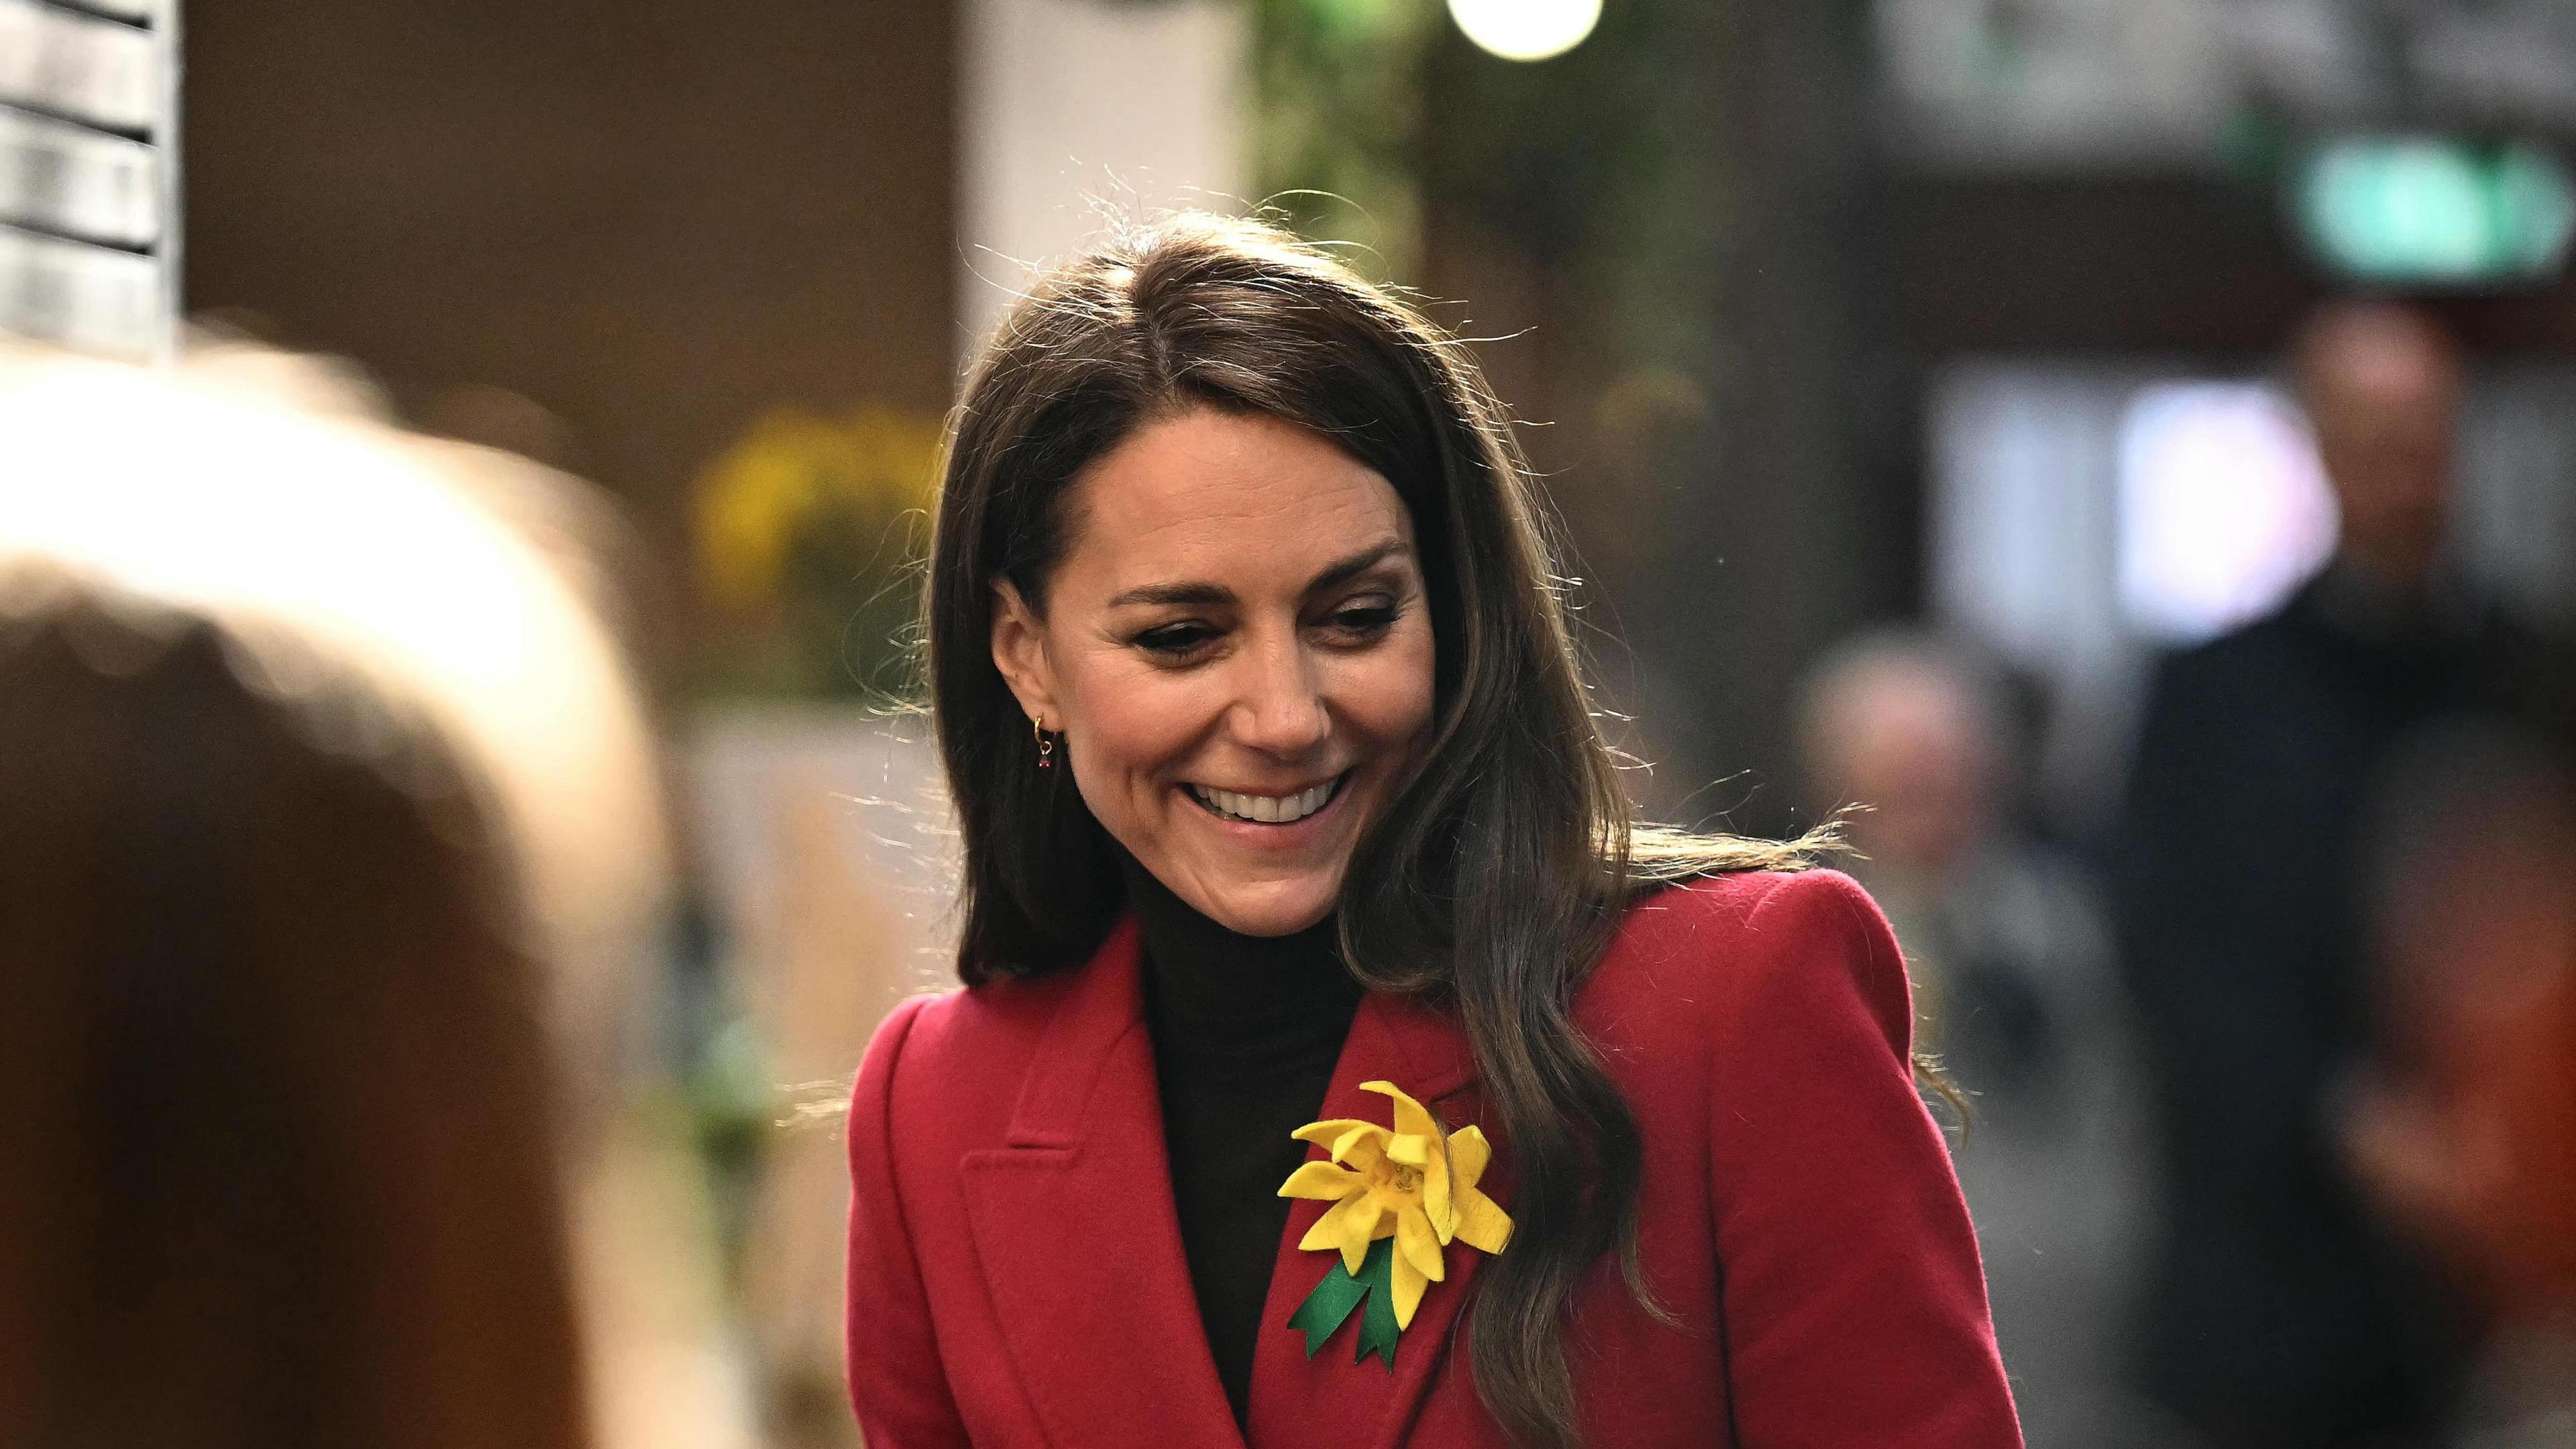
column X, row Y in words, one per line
column 652, row 218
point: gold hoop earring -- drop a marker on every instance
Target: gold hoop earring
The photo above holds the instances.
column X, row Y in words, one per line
column 1046, row 747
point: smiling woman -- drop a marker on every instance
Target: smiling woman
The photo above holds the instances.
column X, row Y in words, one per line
column 1234, row 714
column 1246, row 543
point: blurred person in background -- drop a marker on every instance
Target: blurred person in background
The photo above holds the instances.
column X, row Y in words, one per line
column 2281, row 1312
column 1913, row 735
column 2463, row 1125
column 328, row 838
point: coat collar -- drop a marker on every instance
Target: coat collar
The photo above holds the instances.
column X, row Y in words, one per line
column 1081, row 1248
column 1330, row 1398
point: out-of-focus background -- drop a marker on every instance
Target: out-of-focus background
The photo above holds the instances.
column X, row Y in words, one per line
column 1943, row 422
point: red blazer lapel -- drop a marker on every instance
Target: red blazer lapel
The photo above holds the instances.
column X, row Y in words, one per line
column 1077, row 1238
column 1330, row 1399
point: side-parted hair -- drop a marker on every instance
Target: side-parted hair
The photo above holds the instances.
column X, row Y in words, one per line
column 1494, row 880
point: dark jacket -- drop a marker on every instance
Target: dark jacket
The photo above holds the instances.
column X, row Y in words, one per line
column 2279, row 1312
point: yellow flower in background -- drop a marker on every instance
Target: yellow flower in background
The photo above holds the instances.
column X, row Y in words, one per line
column 1414, row 1184
column 791, row 467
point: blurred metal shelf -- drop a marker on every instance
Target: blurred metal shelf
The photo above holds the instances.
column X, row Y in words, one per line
column 87, row 298
column 89, row 198
column 142, row 14
column 79, row 67
column 79, row 184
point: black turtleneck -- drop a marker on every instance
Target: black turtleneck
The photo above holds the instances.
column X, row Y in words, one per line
column 1246, row 1031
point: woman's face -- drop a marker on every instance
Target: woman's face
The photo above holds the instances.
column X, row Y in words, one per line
column 1237, row 649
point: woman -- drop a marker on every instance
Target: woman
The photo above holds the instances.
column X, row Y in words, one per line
column 1280, row 800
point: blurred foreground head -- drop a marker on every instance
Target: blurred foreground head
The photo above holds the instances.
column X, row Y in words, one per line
column 324, row 802
column 2381, row 384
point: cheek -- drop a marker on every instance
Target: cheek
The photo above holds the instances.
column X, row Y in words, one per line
column 1127, row 723
column 1389, row 693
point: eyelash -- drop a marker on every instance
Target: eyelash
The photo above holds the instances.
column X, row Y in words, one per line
column 1371, row 619
column 1177, row 642
column 1174, row 641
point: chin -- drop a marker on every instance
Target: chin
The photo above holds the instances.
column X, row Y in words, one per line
column 1271, row 908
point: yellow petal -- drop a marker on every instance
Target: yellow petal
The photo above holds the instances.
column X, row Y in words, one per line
column 1436, row 1204
column 1408, row 1283
column 1469, row 1152
column 1322, row 1180
column 1416, row 1244
column 1337, row 1134
column 1388, row 1206
column 1321, row 1236
column 1346, row 1226
column 1360, row 1146
column 1410, row 1118
column 1409, row 1150
column 1482, row 1224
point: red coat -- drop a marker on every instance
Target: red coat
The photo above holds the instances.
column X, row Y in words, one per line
column 1016, row 1276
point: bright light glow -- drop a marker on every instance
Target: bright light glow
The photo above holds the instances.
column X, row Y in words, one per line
column 1526, row 29
column 336, row 550
column 2224, row 508
column 2437, row 211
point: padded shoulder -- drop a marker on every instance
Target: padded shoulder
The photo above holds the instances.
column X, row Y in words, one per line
column 1754, row 955
column 974, row 1019
column 950, row 1064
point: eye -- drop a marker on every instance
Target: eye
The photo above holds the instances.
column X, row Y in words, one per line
column 1363, row 619
column 1175, row 642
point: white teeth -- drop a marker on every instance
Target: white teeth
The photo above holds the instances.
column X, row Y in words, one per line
column 1268, row 809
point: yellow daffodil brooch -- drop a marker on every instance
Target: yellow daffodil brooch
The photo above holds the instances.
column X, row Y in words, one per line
column 1398, row 1199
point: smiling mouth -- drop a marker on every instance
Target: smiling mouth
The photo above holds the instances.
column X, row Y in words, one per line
column 1268, row 809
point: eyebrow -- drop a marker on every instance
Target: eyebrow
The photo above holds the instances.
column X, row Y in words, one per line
column 1194, row 593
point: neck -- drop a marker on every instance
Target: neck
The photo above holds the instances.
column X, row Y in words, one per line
column 1233, row 992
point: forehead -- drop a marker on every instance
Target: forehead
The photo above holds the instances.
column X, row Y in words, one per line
column 1243, row 499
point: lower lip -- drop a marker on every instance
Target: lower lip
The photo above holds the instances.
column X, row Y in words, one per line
column 1304, row 831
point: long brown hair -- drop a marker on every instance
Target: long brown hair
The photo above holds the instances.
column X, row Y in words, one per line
column 1496, row 877
column 274, row 1086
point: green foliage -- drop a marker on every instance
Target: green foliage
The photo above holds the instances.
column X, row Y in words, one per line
column 1604, row 165
column 1338, row 120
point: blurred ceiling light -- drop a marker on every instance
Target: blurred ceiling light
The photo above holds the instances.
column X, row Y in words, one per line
column 1526, row 29
column 2224, row 508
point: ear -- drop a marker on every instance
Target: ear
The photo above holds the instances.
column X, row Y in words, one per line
column 1019, row 651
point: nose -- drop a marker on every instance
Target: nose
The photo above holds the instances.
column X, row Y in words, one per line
column 1279, row 708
